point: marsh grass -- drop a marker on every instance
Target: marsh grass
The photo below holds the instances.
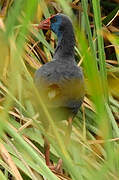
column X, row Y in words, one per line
column 93, row 148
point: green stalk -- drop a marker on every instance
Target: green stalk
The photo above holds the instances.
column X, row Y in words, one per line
column 112, row 120
column 88, row 29
column 45, row 171
column 13, row 17
column 2, row 177
column 102, row 63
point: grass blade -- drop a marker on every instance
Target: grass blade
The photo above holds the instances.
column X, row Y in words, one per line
column 98, row 24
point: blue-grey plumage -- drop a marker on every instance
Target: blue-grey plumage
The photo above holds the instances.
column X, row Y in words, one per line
column 61, row 81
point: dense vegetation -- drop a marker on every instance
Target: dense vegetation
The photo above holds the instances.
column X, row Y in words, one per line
column 93, row 151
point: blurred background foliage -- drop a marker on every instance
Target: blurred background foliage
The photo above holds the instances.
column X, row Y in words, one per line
column 93, row 151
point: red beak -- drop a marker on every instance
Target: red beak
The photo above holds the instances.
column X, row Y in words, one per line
column 44, row 24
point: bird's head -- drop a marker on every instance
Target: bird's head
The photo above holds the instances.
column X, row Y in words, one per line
column 57, row 23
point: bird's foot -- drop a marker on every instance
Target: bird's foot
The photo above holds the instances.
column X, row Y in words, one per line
column 57, row 168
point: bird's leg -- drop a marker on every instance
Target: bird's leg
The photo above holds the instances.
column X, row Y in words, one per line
column 47, row 151
column 47, row 157
column 58, row 167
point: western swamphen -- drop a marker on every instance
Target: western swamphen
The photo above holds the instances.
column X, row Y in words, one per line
column 60, row 81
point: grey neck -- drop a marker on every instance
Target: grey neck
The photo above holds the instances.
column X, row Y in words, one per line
column 65, row 46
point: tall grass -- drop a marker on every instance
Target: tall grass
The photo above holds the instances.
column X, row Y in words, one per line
column 93, row 148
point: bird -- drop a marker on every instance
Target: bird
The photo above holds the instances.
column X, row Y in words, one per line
column 60, row 82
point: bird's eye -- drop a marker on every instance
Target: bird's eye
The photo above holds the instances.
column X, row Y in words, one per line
column 53, row 20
